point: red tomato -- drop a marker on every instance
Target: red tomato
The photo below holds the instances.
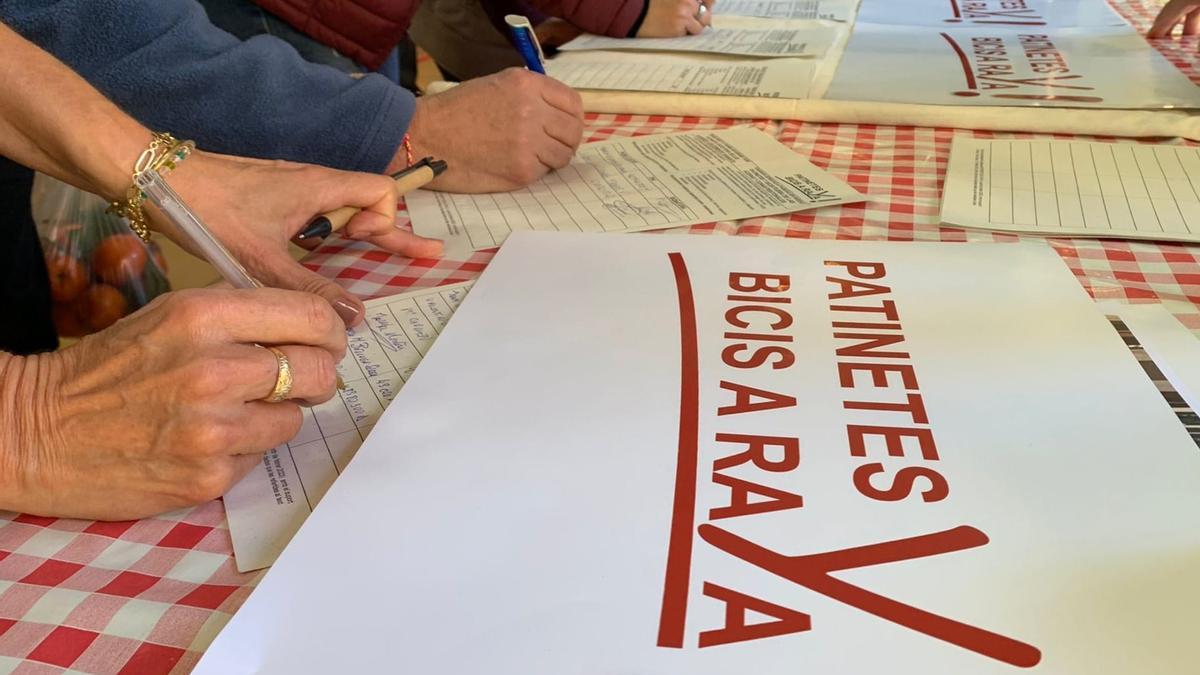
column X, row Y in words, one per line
column 119, row 259
column 105, row 305
column 67, row 322
column 68, row 277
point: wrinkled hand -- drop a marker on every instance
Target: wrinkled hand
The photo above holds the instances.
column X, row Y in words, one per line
column 499, row 132
column 163, row 409
column 255, row 207
column 675, row 18
column 1172, row 14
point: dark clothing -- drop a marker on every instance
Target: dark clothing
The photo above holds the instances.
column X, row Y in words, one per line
column 26, row 327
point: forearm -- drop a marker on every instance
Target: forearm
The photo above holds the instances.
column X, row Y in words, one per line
column 169, row 67
column 51, row 120
column 26, row 401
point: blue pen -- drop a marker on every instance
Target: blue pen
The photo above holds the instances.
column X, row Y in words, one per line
column 527, row 42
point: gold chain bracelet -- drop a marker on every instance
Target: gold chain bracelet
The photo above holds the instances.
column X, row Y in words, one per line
column 162, row 155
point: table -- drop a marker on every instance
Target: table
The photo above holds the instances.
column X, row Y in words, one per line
column 149, row 596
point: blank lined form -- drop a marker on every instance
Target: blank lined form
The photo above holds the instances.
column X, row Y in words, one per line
column 1078, row 188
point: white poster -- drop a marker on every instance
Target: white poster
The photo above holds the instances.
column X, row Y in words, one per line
column 753, row 455
column 1019, row 15
column 1090, row 68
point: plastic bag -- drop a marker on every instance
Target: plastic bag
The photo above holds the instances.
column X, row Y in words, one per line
column 99, row 269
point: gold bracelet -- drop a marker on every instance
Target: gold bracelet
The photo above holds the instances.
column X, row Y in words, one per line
column 162, row 155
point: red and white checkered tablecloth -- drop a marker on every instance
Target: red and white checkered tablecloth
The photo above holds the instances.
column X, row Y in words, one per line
column 148, row 596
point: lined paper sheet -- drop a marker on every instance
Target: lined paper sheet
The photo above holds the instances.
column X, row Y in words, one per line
column 830, row 10
column 675, row 73
column 267, row 507
column 729, row 35
column 1124, row 190
column 642, row 183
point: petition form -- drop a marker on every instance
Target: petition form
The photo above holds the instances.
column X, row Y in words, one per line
column 642, row 183
column 267, row 507
column 675, row 73
column 732, row 36
column 1076, row 188
column 830, row 10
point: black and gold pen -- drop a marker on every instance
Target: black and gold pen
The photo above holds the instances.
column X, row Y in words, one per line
column 415, row 176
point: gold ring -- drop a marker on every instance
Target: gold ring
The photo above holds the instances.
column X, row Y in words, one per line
column 283, row 380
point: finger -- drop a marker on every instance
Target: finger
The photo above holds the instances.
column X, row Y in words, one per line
column 265, row 426
column 555, row 155
column 369, row 222
column 1167, row 19
column 278, row 269
column 385, row 233
column 314, row 373
column 406, row 243
column 370, row 192
column 562, row 97
column 703, row 13
column 564, row 128
column 263, row 315
column 1191, row 24
column 693, row 26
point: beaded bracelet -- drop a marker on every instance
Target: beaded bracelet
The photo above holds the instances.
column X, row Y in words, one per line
column 408, row 151
column 162, row 155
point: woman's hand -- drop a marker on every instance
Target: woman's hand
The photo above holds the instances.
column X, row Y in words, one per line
column 164, row 409
column 1172, row 14
column 255, row 207
column 676, row 18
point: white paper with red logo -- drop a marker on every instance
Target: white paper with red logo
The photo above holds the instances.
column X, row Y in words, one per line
column 1098, row 67
column 683, row 466
column 997, row 14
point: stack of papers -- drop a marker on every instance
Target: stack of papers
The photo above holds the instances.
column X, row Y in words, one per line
column 740, row 55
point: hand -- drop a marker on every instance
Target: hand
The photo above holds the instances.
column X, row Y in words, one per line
column 255, row 207
column 1175, row 11
column 162, row 410
column 499, row 132
column 675, row 18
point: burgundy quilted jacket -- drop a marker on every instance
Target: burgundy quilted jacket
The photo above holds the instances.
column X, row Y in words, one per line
column 367, row 30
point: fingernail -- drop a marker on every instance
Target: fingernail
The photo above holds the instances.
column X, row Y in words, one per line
column 350, row 313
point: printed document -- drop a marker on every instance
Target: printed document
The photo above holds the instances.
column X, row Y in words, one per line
column 1074, row 188
column 729, row 35
column 677, row 73
column 701, row 455
column 641, row 183
column 267, row 507
column 830, row 10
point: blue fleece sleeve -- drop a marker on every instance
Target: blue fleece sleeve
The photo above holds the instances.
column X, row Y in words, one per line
column 169, row 67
